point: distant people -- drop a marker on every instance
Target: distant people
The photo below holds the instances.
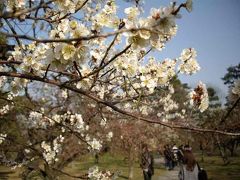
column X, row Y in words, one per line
column 189, row 168
column 147, row 163
column 175, row 155
column 168, row 157
column 96, row 158
column 180, row 154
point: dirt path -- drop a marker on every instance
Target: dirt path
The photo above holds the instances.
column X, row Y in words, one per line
column 168, row 175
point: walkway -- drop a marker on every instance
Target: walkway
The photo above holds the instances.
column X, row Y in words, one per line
column 168, row 175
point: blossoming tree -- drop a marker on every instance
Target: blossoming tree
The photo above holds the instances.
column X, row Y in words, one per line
column 84, row 47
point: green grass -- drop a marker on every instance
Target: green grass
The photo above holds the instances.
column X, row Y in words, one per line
column 213, row 165
column 108, row 162
column 218, row 171
column 7, row 173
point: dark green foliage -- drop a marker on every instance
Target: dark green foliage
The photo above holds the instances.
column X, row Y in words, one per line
column 213, row 98
column 233, row 73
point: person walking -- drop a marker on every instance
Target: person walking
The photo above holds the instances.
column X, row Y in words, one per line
column 175, row 155
column 180, row 154
column 189, row 168
column 147, row 163
column 168, row 157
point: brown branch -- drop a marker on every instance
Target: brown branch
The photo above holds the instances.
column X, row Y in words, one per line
column 178, row 9
column 229, row 111
column 108, row 49
column 54, row 71
column 100, row 68
column 10, row 62
column 16, row 14
column 83, row 38
column 103, row 59
column 76, row 67
column 14, row 32
column 66, row 15
column 113, row 107
column 85, row 176
column 45, row 75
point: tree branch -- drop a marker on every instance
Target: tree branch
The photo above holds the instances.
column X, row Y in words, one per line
column 83, row 38
column 115, row 108
column 16, row 14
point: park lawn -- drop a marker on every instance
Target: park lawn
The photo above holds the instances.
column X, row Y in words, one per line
column 114, row 163
column 218, row 171
column 213, row 164
column 7, row 173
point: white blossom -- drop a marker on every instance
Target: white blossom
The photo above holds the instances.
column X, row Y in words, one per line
column 5, row 109
column 95, row 144
column 2, row 137
column 132, row 12
column 50, row 150
column 236, row 87
column 95, row 174
column 109, row 136
column 188, row 64
column 199, row 97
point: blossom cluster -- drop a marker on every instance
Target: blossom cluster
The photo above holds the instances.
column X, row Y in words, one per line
column 2, row 80
column 156, row 29
column 5, row 109
column 153, row 31
column 74, row 120
column 95, row 174
column 189, row 65
column 106, row 17
column 37, row 119
column 51, row 149
column 130, row 74
column 236, row 87
column 18, row 84
column 15, row 4
column 168, row 103
column 109, row 135
column 68, row 5
column 199, row 97
column 94, row 144
column 2, row 137
column 170, row 109
column 103, row 122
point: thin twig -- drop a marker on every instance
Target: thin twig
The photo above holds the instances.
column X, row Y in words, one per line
column 45, row 75
column 76, row 67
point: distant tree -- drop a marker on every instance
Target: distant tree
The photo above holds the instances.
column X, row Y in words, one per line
column 233, row 73
column 214, row 100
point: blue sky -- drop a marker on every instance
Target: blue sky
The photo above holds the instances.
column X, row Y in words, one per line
column 213, row 29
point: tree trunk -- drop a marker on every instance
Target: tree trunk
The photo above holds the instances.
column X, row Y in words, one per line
column 223, row 155
column 130, row 165
column 130, row 170
column 212, row 146
column 202, row 156
column 232, row 147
